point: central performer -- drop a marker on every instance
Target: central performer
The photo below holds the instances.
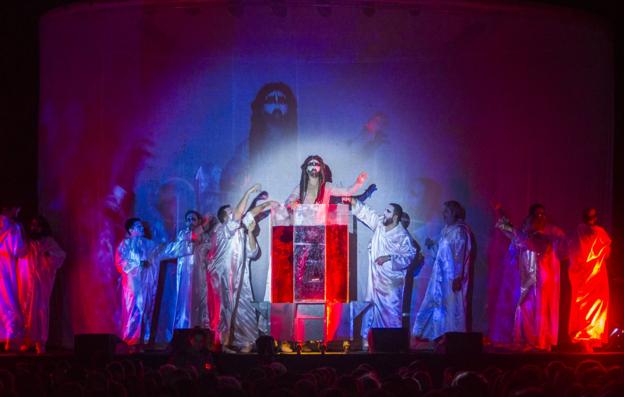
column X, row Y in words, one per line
column 315, row 184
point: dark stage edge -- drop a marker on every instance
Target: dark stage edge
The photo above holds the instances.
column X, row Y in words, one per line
column 385, row 363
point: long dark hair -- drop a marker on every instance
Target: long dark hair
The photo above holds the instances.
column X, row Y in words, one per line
column 324, row 176
column 258, row 131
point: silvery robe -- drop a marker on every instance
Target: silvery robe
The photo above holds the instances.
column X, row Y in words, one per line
column 199, row 288
column 243, row 324
column 442, row 309
column 225, row 263
column 589, row 282
column 385, row 282
column 191, row 307
column 536, row 318
column 139, row 285
column 37, row 270
column 12, row 245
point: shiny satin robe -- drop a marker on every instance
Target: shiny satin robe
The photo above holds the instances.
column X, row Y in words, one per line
column 37, row 271
column 12, row 246
column 589, row 250
column 243, row 318
column 442, row 309
column 385, row 282
column 227, row 276
column 536, row 318
column 139, row 285
column 191, row 305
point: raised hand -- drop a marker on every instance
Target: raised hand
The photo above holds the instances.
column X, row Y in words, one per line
column 504, row 224
column 362, row 177
column 255, row 188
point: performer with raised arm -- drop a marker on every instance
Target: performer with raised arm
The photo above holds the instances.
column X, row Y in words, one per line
column 243, row 322
column 12, row 246
column 390, row 253
column 535, row 249
column 315, row 184
column 590, row 247
column 136, row 260
column 37, row 273
column 445, row 306
column 228, row 257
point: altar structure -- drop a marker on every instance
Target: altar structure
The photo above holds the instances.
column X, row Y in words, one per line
column 310, row 274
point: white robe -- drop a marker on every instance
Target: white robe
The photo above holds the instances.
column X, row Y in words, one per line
column 37, row 271
column 12, row 246
column 191, row 306
column 385, row 282
column 243, row 323
column 225, row 264
column 444, row 310
column 139, row 287
column 536, row 320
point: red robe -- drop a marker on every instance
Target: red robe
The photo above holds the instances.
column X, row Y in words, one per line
column 589, row 282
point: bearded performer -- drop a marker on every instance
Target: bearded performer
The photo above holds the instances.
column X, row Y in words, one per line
column 535, row 249
column 445, row 306
column 37, row 271
column 315, row 184
column 390, row 253
column 231, row 250
column 136, row 260
column 589, row 250
column 12, row 246
column 191, row 247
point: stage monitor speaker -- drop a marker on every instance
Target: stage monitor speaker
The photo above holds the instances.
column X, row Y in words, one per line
column 182, row 336
column 96, row 346
column 460, row 343
column 266, row 346
column 388, row 340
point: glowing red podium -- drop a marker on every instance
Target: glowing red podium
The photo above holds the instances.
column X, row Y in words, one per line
column 309, row 272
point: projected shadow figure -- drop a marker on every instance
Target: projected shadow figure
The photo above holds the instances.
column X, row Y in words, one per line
column 371, row 136
column 273, row 131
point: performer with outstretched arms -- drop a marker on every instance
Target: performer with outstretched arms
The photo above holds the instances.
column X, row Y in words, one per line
column 228, row 257
column 390, row 253
column 445, row 306
column 315, row 184
column 535, row 249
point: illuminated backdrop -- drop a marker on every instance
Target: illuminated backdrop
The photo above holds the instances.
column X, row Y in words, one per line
column 145, row 110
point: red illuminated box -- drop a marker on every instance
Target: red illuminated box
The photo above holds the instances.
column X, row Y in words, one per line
column 310, row 254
